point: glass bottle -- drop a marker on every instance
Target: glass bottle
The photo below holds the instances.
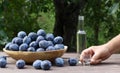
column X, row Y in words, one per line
column 81, row 36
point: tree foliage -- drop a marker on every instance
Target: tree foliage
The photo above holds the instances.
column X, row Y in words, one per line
column 102, row 18
column 24, row 15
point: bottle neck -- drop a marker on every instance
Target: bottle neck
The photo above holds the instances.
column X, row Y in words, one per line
column 80, row 24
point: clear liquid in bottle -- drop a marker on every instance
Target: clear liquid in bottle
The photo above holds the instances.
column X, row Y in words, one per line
column 81, row 40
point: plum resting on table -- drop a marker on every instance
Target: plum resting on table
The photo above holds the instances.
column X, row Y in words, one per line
column 37, row 64
column 59, row 62
column 72, row 61
column 3, row 63
column 4, row 57
column 20, row 64
column 46, row 65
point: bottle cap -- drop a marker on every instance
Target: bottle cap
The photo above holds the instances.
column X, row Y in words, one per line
column 81, row 17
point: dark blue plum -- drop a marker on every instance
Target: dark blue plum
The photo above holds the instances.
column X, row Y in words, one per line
column 40, row 50
column 21, row 34
column 7, row 45
column 33, row 36
column 58, row 40
column 50, row 48
column 4, row 57
column 72, row 61
column 59, row 62
column 39, row 38
column 23, row 47
column 27, row 40
column 18, row 41
column 31, row 49
column 43, row 44
column 3, row 63
column 46, row 65
column 34, row 44
column 20, row 64
column 13, row 40
column 37, row 64
column 59, row 46
column 50, row 43
column 14, row 47
column 41, row 32
column 49, row 37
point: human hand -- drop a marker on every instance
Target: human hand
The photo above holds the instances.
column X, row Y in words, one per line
column 97, row 53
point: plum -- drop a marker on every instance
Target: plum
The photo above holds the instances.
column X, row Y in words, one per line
column 23, row 47
column 50, row 48
column 33, row 36
column 39, row 38
column 46, row 65
column 21, row 34
column 14, row 47
column 7, row 45
column 20, row 64
column 72, row 61
column 43, row 44
column 59, row 46
column 34, row 44
column 49, row 37
column 40, row 50
column 31, row 49
column 41, row 32
column 3, row 63
column 18, row 40
column 59, row 62
column 58, row 40
column 27, row 40
column 37, row 64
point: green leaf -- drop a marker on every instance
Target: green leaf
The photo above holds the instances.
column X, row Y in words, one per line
column 114, row 8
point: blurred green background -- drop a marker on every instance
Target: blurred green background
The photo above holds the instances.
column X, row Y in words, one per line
column 102, row 18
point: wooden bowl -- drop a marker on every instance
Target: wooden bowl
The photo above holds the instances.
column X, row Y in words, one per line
column 30, row 57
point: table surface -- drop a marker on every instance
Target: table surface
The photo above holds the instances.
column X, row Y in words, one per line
column 111, row 65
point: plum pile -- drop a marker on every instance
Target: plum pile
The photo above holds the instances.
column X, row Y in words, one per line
column 35, row 42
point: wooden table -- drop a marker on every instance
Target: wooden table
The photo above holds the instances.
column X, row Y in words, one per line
column 111, row 65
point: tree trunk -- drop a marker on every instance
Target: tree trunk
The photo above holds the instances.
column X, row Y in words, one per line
column 97, row 24
column 66, row 20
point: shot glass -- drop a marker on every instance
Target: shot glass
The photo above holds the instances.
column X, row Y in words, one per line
column 86, row 60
